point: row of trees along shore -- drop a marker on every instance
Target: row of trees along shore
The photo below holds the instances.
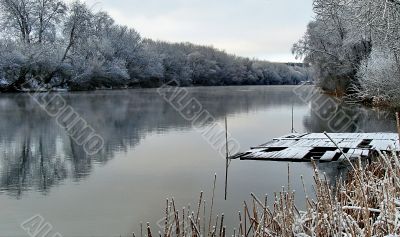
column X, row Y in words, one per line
column 54, row 44
column 354, row 48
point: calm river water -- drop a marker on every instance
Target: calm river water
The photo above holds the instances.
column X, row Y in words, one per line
column 152, row 153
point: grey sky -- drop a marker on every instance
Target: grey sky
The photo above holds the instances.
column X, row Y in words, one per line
column 264, row 29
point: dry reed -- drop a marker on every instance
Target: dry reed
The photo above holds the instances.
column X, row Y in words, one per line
column 364, row 203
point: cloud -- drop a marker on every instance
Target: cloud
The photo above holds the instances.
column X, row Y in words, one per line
column 251, row 28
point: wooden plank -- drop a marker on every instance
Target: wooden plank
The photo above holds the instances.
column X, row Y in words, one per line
column 268, row 155
column 328, row 156
column 300, row 152
column 350, row 153
column 357, row 153
column 303, row 152
column 382, row 145
column 365, row 153
column 299, row 145
column 291, row 154
column 278, row 143
column 292, row 136
column 345, row 143
column 397, row 145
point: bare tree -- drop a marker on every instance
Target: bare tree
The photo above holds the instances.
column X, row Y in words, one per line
column 32, row 20
column 49, row 13
column 17, row 17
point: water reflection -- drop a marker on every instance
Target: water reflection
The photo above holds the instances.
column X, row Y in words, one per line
column 40, row 165
column 37, row 154
column 338, row 116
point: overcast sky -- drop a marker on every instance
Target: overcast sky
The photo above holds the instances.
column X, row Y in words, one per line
column 264, row 29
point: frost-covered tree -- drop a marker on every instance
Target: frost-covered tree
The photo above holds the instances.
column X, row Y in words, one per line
column 49, row 13
column 331, row 46
column 33, row 21
column 53, row 44
column 379, row 77
column 339, row 42
column 17, row 18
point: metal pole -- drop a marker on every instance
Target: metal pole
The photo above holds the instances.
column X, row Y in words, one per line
column 226, row 156
column 292, row 118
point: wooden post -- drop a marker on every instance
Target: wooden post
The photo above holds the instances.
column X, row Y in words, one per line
column 292, row 118
column 226, row 156
column 398, row 125
column 288, row 177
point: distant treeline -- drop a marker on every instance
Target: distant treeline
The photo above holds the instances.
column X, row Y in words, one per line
column 52, row 44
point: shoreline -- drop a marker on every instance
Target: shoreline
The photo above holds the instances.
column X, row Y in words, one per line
column 367, row 102
column 131, row 88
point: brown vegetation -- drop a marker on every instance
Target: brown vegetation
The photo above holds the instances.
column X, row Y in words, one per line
column 364, row 203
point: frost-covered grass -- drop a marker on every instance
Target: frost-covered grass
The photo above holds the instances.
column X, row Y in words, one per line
column 365, row 203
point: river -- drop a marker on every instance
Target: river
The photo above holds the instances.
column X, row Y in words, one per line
column 152, row 153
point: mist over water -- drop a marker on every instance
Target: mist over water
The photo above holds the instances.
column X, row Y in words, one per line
column 150, row 153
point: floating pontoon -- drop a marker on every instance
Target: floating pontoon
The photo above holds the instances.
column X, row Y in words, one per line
column 303, row 147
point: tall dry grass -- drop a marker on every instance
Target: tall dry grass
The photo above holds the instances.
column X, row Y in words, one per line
column 364, row 203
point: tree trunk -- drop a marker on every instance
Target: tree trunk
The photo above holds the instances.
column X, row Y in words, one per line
column 17, row 85
column 48, row 78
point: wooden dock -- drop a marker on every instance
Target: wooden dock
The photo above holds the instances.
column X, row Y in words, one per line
column 298, row 147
